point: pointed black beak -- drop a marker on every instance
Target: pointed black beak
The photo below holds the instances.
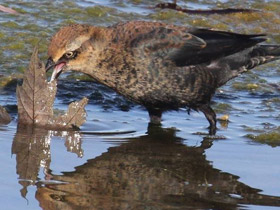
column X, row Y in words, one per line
column 50, row 64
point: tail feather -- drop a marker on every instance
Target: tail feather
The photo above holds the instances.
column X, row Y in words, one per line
column 219, row 44
column 234, row 65
column 266, row 50
column 262, row 54
column 259, row 60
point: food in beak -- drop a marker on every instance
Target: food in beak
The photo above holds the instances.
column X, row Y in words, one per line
column 57, row 70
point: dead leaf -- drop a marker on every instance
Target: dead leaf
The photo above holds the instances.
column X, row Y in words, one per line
column 36, row 97
column 75, row 115
column 4, row 116
column 8, row 10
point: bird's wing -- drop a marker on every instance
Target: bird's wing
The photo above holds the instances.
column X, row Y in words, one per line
column 166, row 43
column 191, row 47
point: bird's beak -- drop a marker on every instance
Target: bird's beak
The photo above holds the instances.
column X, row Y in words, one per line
column 50, row 64
column 58, row 67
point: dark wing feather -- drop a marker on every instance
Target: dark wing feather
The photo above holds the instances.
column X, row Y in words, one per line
column 191, row 47
column 164, row 42
column 218, row 44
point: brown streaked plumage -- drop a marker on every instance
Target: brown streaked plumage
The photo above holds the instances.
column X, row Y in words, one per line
column 160, row 66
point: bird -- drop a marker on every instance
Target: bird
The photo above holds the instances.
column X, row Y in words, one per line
column 158, row 65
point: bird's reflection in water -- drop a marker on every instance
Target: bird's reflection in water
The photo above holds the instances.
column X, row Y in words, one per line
column 154, row 171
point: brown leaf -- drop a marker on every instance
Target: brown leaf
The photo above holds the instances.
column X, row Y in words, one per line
column 75, row 115
column 36, row 97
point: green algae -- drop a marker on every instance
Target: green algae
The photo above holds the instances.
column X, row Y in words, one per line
column 269, row 134
column 2, row 35
column 69, row 22
column 271, row 6
column 202, row 22
column 98, row 11
column 277, row 38
column 7, row 80
column 272, row 103
column 261, row 86
column 31, row 27
column 271, row 138
column 21, row 56
column 249, row 17
column 274, row 100
column 251, row 129
column 167, row 15
column 137, row 1
column 222, row 108
column 70, row 4
column 16, row 46
column 244, row 86
column 11, row 24
column 73, row 12
column 20, row 10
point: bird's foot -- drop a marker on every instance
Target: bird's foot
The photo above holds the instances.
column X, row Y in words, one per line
column 155, row 116
column 155, row 120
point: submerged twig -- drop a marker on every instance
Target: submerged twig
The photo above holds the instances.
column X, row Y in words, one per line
column 174, row 6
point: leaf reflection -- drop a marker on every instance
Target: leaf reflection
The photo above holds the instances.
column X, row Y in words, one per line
column 31, row 146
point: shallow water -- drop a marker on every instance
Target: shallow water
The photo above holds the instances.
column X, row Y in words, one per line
column 118, row 161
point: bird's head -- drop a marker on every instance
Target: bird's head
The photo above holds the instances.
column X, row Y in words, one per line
column 71, row 48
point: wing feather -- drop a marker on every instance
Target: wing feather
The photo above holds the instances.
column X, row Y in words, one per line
column 190, row 47
column 165, row 42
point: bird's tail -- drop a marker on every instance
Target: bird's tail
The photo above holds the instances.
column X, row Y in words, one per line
column 239, row 63
column 263, row 54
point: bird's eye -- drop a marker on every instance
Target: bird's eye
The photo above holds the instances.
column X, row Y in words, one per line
column 70, row 54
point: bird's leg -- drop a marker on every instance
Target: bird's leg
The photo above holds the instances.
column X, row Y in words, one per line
column 155, row 116
column 210, row 116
